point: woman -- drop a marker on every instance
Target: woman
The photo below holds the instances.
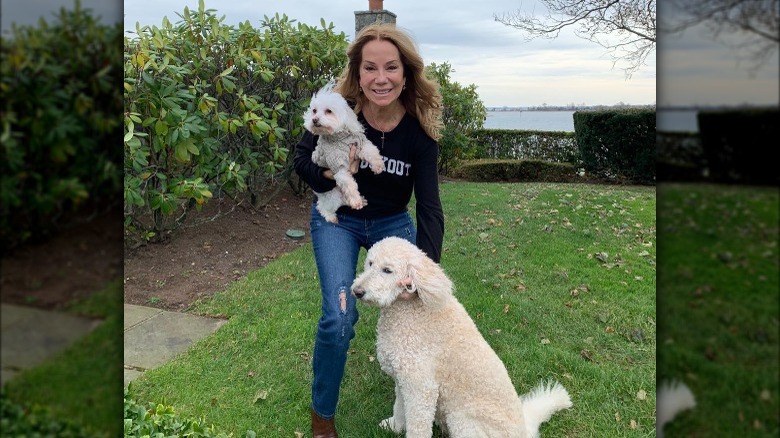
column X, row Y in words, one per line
column 401, row 110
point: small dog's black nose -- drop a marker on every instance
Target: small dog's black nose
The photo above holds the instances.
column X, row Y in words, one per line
column 358, row 291
column 315, row 121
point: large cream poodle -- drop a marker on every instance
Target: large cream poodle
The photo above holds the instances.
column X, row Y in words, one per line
column 443, row 368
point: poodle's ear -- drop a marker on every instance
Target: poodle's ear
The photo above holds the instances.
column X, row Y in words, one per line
column 431, row 283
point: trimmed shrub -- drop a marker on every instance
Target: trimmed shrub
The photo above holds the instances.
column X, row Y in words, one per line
column 679, row 157
column 488, row 170
column 617, row 144
column 553, row 146
column 738, row 144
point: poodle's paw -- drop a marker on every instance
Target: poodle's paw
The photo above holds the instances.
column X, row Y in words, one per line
column 392, row 425
column 359, row 204
column 355, row 200
column 363, row 202
column 377, row 166
column 328, row 214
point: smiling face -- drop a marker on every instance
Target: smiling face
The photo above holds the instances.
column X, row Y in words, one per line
column 381, row 73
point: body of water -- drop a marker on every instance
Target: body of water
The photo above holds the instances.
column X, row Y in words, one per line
column 676, row 121
column 666, row 120
column 531, row 120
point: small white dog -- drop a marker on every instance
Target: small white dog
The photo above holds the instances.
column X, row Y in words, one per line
column 443, row 368
column 330, row 117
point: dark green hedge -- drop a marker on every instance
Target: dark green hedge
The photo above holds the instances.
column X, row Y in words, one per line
column 617, row 144
column 679, row 157
column 488, row 170
column 61, row 93
column 553, row 146
column 739, row 144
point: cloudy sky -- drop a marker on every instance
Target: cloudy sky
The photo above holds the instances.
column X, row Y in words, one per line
column 507, row 69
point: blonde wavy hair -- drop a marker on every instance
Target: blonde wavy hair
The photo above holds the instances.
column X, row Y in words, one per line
column 421, row 97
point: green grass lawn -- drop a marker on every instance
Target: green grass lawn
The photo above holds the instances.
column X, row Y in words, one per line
column 560, row 279
column 718, row 306
column 79, row 385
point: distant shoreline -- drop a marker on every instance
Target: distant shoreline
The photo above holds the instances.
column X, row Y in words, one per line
column 606, row 107
column 564, row 108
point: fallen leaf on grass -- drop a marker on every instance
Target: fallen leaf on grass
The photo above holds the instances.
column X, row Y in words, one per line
column 585, row 354
column 260, row 395
column 632, row 425
column 641, row 395
column 637, row 335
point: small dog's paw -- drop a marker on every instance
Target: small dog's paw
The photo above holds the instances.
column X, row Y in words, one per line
column 359, row 203
column 378, row 168
column 391, row 425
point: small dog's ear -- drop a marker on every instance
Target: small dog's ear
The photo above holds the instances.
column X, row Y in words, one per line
column 432, row 284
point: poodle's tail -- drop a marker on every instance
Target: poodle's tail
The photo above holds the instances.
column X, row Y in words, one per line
column 541, row 403
column 671, row 399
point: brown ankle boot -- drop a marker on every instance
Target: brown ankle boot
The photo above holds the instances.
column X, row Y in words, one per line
column 322, row 428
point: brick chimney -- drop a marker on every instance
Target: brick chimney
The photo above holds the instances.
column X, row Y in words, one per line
column 376, row 13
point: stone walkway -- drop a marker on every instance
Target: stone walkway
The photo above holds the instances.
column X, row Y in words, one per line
column 151, row 336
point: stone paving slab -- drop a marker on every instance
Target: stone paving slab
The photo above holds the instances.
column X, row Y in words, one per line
column 31, row 335
column 152, row 337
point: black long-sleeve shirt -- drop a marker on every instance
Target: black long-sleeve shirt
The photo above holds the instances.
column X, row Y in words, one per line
column 410, row 157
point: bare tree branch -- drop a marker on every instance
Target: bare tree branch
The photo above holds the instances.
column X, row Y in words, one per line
column 626, row 28
column 751, row 27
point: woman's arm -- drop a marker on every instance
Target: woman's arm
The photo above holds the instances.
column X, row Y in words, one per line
column 315, row 176
column 430, row 215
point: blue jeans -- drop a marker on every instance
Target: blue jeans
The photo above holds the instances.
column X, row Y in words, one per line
column 336, row 248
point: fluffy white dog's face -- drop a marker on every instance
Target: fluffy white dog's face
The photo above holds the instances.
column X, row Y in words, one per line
column 384, row 268
column 395, row 269
column 328, row 113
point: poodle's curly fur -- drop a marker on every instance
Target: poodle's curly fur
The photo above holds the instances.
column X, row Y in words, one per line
column 672, row 397
column 443, row 368
column 330, row 117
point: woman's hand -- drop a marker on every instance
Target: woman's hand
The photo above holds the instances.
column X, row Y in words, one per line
column 354, row 163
